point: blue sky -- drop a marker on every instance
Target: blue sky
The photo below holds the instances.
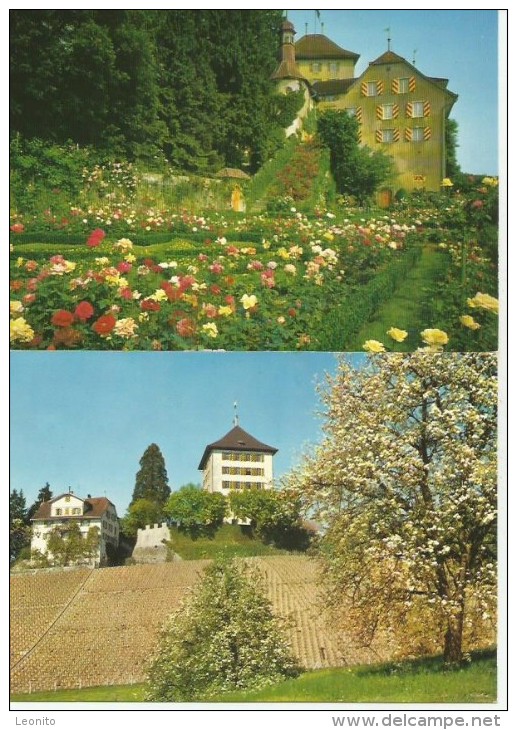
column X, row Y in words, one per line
column 460, row 45
column 84, row 419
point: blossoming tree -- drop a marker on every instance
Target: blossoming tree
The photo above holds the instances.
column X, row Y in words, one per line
column 404, row 483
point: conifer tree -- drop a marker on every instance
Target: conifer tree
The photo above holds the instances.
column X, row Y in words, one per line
column 151, row 481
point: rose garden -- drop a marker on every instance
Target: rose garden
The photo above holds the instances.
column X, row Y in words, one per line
column 120, row 269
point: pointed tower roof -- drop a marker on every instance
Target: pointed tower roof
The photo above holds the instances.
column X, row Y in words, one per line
column 287, row 68
column 319, row 46
column 236, row 440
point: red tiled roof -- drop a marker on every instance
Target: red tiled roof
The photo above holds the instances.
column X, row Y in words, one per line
column 319, row 46
column 288, row 70
column 236, row 440
column 93, row 507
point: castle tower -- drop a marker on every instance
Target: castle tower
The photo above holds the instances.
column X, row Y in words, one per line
column 237, row 461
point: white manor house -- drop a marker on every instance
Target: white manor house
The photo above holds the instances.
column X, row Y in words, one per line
column 59, row 512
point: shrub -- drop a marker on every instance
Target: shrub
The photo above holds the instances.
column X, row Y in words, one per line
column 224, row 637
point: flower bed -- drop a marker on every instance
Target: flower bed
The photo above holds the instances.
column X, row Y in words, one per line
column 272, row 289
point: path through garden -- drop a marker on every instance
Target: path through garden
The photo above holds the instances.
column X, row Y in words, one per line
column 406, row 308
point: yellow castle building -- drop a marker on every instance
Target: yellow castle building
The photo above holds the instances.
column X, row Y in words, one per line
column 398, row 108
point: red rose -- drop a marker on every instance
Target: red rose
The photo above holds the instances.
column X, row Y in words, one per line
column 84, row 311
column 17, row 228
column 149, row 305
column 185, row 327
column 62, row 318
column 95, row 238
column 104, row 324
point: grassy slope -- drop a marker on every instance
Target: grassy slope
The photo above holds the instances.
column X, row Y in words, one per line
column 228, row 542
column 418, row 681
column 405, row 308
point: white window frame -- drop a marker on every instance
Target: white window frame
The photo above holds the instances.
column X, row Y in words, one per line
column 387, row 111
column 417, row 134
column 413, row 109
column 371, row 86
column 403, row 85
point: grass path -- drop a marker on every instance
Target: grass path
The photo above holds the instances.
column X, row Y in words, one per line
column 405, row 309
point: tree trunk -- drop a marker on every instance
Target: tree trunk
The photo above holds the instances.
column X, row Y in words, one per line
column 453, row 653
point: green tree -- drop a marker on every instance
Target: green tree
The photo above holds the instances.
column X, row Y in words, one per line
column 67, row 545
column 152, row 482
column 140, row 513
column 44, row 495
column 224, row 637
column 196, row 511
column 357, row 170
column 273, row 515
column 452, row 167
column 19, row 533
column 405, row 483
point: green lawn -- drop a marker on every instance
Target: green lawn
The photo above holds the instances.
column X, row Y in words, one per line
column 416, row 681
column 404, row 309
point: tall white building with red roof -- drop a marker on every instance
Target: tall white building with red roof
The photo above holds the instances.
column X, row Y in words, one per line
column 93, row 512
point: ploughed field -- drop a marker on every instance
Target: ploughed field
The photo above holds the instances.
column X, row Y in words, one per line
column 85, row 628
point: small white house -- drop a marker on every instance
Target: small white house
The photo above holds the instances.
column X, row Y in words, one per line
column 238, row 461
column 60, row 511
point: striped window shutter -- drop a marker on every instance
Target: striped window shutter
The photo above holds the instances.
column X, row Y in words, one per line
column 378, row 135
column 409, row 109
column 427, row 133
column 396, row 135
column 408, row 134
column 412, row 84
column 364, row 88
column 379, row 112
column 359, row 139
column 427, row 109
column 395, row 111
column 359, row 114
column 394, row 86
column 380, row 87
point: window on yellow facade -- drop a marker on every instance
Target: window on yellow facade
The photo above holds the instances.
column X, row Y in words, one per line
column 316, row 67
column 417, row 109
column 59, row 511
column 387, row 111
column 417, row 134
column 388, row 136
column 333, row 67
column 403, row 86
column 371, row 88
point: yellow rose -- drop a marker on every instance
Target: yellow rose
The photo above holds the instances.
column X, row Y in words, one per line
column 484, row 301
column 396, row 334
column 210, row 329
column 15, row 307
column 249, row 301
column 225, row 311
column 435, row 338
column 469, row 322
column 20, row 330
column 374, row 346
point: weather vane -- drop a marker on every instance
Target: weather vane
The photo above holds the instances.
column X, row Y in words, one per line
column 387, row 30
column 236, row 415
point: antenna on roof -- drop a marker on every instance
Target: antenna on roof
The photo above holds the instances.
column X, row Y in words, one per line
column 306, row 28
column 387, row 30
column 316, row 18
column 236, row 415
column 414, row 55
column 322, row 24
